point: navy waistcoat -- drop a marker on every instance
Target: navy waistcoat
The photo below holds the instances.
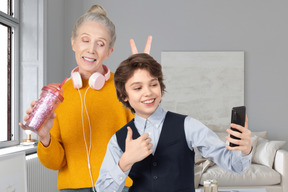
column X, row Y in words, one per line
column 171, row 168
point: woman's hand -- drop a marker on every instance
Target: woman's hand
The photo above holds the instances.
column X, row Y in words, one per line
column 244, row 143
column 44, row 133
column 147, row 46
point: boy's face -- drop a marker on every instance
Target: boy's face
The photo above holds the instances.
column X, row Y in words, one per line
column 144, row 93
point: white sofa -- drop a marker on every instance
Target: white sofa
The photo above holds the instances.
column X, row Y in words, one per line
column 269, row 168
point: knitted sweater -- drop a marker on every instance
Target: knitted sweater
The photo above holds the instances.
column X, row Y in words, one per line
column 66, row 151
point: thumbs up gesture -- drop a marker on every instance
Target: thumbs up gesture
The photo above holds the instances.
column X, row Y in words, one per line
column 136, row 150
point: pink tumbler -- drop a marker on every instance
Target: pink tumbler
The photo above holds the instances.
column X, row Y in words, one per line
column 51, row 96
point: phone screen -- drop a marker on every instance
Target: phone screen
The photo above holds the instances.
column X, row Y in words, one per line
column 237, row 117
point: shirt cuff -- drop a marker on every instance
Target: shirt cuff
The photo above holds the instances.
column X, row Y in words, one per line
column 246, row 159
column 118, row 175
column 249, row 155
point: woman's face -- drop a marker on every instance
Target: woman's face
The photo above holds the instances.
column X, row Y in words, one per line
column 91, row 47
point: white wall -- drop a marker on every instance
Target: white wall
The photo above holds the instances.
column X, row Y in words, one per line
column 55, row 41
column 257, row 27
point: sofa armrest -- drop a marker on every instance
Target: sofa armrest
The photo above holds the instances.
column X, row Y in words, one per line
column 281, row 166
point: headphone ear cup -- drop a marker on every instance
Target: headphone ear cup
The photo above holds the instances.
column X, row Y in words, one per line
column 96, row 81
column 77, row 81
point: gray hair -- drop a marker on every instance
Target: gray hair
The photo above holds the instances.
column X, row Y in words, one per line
column 96, row 13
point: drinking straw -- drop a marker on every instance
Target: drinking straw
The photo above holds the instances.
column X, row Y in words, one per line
column 62, row 83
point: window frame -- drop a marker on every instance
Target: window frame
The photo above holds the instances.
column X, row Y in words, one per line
column 13, row 21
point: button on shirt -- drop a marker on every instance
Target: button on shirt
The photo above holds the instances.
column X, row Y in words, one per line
column 152, row 126
column 112, row 178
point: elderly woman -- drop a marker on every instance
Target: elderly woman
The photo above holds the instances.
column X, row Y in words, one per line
column 74, row 139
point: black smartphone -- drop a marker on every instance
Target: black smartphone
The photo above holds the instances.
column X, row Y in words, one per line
column 237, row 117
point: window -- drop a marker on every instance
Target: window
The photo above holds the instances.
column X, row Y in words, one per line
column 9, row 78
column 6, row 7
column 5, row 48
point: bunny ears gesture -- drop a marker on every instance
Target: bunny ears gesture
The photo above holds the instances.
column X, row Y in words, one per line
column 147, row 46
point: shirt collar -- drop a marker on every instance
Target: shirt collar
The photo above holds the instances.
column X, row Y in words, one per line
column 156, row 118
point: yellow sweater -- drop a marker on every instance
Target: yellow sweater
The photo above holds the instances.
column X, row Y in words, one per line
column 66, row 151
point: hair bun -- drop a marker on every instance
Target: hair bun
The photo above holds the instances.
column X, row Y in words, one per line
column 97, row 9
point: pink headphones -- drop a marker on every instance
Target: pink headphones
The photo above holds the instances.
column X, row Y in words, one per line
column 96, row 80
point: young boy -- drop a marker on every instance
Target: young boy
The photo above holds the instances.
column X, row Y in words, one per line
column 155, row 149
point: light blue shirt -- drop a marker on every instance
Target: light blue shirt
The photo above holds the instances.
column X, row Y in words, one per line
column 112, row 178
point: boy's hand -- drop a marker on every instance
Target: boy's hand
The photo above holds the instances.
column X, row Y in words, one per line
column 245, row 145
column 147, row 46
column 44, row 133
column 135, row 150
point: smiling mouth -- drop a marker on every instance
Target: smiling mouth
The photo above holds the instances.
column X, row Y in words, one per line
column 148, row 101
column 89, row 59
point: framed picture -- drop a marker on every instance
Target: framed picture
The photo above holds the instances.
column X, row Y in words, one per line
column 205, row 85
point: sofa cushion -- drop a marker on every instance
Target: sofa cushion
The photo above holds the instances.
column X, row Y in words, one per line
column 222, row 135
column 254, row 175
column 198, row 155
column 265, row 151
column 262, row 134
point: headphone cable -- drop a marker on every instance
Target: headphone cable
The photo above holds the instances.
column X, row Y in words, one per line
column 90, row 131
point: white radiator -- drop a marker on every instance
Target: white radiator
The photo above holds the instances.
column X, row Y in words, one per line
column 39, row 178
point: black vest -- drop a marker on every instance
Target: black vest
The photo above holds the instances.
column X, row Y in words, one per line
column 171, row 168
